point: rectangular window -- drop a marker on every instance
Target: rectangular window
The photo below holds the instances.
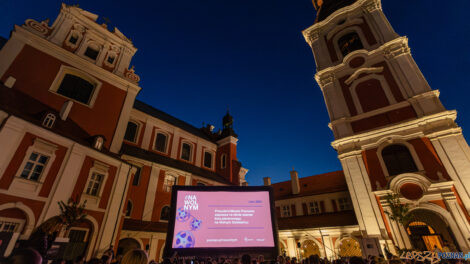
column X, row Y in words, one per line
column 92, row 53
column 160, row 142
column 207, row 159
column 344, row 204
column 136, row 179
column 34, row 166
column 186, row 152
column 313, row 207
column 9, row 227
column 168, row 183
column 286, row 211
column 94, row 184
column 76, row 88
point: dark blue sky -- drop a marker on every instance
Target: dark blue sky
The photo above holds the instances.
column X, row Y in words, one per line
column 196, row 58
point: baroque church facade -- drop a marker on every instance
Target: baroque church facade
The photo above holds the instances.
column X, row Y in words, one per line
column 71, row 127
column 394, row 138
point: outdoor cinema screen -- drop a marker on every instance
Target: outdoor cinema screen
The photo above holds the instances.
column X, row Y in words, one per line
column 221, row 217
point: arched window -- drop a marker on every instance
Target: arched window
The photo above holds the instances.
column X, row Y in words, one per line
column 186, row 150
column 161, row 142
column 49, row 120
column 129, row 208
column 398, row 160
column 349, row 43
column 165, row 214
column 76, row 88
column 223, row 161
column 131, row 131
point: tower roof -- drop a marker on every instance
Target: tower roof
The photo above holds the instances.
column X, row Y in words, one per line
column 327, row 7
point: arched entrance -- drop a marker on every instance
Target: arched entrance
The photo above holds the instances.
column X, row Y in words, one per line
column 309, row 248
column 349, row 247
column 127, row 244
column 428, row 230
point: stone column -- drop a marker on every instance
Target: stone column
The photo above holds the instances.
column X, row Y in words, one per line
column 365, row 205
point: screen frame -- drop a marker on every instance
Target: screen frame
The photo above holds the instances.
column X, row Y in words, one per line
column 268, row 252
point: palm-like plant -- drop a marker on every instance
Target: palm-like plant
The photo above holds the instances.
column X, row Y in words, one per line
column 71, row 213
column 399, row 212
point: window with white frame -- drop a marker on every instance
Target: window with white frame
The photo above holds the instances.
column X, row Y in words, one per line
column 161, row 142
column 94, row 187
column 313, row 208
column 286, row 211
column 168, row 182
column 344, row 204
column 223, row 161
column 35, row 166
column 186, row 151
column 208, row 159
column 76, row 85
column 94, row 184
column 49, row 120
column 132, row 131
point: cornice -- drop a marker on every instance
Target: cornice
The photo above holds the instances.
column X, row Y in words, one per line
column 356, row 142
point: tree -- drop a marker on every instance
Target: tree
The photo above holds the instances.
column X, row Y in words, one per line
column 399, row 212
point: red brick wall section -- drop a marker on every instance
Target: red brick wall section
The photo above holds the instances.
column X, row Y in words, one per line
column 145, row 242
column 459, row 201
column 13, row 213
column 374, row 170
column 232, row 168
column 19, row 156
column 371, row 95
column 387, row 225
column 162, row 198
column 387, row 118
column 83, row 178
column 427, row 155
column 440, row 203
column 137, row 194
column 278, row 211
column 35, row 72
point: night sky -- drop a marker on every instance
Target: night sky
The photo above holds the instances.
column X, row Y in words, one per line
column 198, row 58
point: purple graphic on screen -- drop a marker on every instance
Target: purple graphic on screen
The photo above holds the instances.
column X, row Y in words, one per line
column 184, row 239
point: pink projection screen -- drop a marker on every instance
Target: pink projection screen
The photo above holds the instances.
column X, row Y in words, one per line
column 214, row 217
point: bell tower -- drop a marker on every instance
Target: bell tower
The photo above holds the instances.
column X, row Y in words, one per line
column 392, row 133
